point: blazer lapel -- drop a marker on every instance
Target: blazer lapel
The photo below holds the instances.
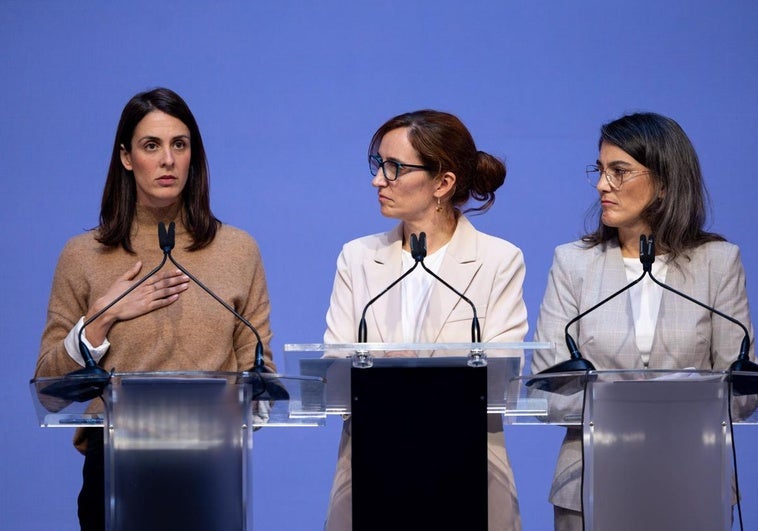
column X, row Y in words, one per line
column 380, row 270
column 458, row 269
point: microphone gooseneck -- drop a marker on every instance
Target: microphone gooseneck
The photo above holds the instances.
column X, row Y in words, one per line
column 167, row 239
column 740, row 384
column 577, row 363
column 417, row 257
column 476, row 333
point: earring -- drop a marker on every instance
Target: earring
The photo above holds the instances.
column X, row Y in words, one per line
column 439, row 207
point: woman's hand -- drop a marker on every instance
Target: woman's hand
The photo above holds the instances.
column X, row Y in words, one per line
column 158, row 291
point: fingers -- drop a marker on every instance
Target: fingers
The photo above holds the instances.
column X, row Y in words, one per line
column 167, row 287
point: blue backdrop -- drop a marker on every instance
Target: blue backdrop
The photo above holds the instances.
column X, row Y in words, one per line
column 287, row 95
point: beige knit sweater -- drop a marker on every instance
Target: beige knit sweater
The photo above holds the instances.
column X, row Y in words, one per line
column 195, row 333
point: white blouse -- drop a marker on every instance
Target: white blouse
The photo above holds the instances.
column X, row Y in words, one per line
column 416, row 292
column 646, row 301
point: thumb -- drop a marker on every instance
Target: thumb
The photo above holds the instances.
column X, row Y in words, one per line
column 132, row 271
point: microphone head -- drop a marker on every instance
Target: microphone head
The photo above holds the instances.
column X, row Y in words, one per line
column 422, row 244
column 162, row 236
column 418, row 246
column 647, row 252
column 171, row 235
column 166, row 237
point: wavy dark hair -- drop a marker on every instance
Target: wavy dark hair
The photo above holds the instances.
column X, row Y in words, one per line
column 678, row 213
column 119, row 202
column 444, row 143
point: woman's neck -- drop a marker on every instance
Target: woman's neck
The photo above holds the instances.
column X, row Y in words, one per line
column 438, row 234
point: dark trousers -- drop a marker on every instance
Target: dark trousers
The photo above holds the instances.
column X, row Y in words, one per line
column 91, row 509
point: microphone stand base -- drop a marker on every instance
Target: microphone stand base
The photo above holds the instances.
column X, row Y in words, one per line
column 79, row 386
column 747, row 382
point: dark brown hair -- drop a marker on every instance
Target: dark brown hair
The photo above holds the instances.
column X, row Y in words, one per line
column 444, row 143
column 677, row 216
column 119, row 201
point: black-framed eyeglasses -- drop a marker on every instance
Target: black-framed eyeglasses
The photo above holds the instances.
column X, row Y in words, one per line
column 615, row 176
column 391, row 168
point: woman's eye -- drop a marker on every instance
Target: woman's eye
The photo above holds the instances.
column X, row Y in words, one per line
column 150, row 146
column 180, row 144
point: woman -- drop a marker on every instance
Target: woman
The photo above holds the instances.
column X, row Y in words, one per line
column 426, row 168
column 158, row 173
column 649, row 183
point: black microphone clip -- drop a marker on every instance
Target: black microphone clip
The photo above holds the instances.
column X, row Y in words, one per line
column 166, row 238
column 418, row 246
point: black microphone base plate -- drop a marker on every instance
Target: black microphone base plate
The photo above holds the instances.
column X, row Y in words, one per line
column 79, row 386
column 744, row 384
column 564, row 384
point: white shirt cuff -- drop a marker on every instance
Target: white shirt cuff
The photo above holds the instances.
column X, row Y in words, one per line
column 72, row 345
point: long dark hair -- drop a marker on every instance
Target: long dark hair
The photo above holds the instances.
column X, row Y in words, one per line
column 119, row 202
column 677, row 215
column 444, row 143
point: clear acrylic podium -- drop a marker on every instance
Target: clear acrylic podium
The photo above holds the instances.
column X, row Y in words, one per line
column 178, row 444
column 656, row 444
column 418, row 425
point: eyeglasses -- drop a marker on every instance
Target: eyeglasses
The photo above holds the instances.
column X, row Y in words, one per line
column 391, row 168
column 615, row 177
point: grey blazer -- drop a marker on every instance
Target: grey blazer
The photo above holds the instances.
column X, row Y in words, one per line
column 487, row 270
column 686, row 335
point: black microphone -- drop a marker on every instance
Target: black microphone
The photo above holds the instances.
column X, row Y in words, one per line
column 476, row 334
column 741, row 384
column 576, row 363
column 417, row 257
column 168, row 245
column 87, row 383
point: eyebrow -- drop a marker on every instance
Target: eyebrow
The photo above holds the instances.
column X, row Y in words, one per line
column 157, row 139
column 614, row 163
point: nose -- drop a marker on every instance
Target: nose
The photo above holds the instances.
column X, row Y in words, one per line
column 602, row 184
column 167, row 157
column 378, row 180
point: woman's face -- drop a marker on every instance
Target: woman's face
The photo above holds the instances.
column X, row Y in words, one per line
column 411, row 196
column 160, row 159
column 622, row 206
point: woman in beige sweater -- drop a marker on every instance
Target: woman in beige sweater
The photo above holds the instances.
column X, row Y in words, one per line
column 158, row 173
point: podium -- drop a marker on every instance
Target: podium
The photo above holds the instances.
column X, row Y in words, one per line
column 657, row 444
column 419, row 417
column 178, row 444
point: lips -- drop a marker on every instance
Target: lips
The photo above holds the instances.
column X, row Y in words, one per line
column 166, row 180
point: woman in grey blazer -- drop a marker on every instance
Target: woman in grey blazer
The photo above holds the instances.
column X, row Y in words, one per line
column 426, row 168
column 649, row 183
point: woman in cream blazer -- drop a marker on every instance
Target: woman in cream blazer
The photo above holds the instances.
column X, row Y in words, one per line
column 426, row 167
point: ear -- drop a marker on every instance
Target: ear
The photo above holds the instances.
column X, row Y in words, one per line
column 126, row 158
column 445, row 184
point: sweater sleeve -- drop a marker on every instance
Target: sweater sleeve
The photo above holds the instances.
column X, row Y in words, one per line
column 66, row 306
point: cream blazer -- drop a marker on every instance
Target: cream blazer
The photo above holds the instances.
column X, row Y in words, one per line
column 686, row 335
column 490, row 272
